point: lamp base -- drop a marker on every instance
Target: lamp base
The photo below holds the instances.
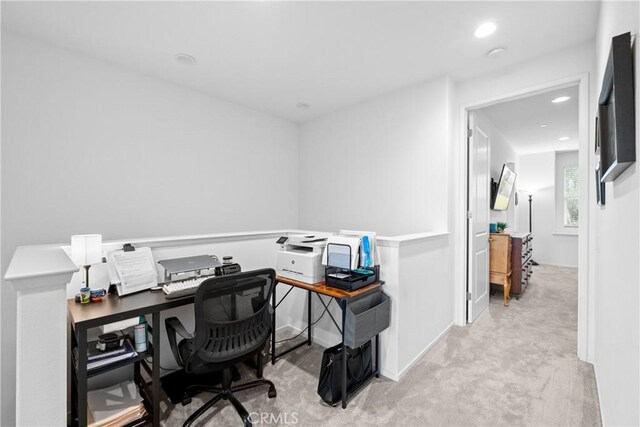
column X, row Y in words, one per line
column 86, row 276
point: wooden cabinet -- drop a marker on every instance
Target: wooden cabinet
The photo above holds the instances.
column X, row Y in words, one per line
column 521, row 262
column 500, row 262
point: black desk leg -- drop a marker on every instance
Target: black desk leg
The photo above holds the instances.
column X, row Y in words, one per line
column 378, row 356
column 73, row 394
column 273, row 324
column 82, row 377
column 155, row 380
column 309, row 319
column 343, row 305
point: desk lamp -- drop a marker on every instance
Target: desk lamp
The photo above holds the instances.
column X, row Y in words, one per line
column 86, row 249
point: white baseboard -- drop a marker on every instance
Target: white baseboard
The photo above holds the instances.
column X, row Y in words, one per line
column 326, row 344
column 556, row 265
column 394, row 376
column 391, row 375
column 416, row 359
column 286, row 326
column 316, row 340
column 595, row 372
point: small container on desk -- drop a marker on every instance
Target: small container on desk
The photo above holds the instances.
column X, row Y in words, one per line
column 350, row 280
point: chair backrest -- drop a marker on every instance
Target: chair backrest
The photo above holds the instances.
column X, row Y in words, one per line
column 233, row 315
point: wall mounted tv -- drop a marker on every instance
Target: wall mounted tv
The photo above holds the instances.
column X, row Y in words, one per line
column 616, row 112
column 501, row 194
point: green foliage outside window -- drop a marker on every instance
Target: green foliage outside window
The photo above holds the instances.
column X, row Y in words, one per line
column 571, row 196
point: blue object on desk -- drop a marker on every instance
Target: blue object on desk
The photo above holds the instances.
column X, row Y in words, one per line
column 493, row 227
column 366, row 252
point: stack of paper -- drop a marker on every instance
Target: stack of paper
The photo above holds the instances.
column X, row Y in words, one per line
column 114, row 406
column 98, row 361
column 133, row 271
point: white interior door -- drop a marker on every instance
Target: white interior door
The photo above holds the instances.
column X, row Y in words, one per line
column 478, row 220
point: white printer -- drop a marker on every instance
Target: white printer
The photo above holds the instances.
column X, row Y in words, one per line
column 300, row 257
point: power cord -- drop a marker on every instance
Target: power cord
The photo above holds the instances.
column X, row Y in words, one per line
column 305, row 329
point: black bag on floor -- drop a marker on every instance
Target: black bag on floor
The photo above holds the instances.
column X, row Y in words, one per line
column 358, row 370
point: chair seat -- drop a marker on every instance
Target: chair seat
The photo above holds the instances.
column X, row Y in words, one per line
column 196, row 365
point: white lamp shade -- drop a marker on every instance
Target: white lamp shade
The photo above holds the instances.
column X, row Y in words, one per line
column 529, row 192
column 86, row 249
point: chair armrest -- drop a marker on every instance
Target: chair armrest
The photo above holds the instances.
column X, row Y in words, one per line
column 174, row 326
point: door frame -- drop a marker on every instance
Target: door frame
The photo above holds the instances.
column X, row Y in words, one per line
column 585, row 332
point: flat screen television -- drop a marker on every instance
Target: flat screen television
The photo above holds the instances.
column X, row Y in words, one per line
column 504, row 188
column 616, row 111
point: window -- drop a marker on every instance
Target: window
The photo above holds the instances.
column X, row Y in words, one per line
column 571, row 193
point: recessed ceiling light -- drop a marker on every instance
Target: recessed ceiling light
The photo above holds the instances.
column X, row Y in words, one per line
column 485, row 30
column 544, row 125
column 494, row 53
column 302, row 106
column 184, row 59
column 564, row 138
column 561, row 99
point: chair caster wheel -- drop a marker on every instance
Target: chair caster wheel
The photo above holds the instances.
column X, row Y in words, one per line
column 186, row 400
column 272, row 393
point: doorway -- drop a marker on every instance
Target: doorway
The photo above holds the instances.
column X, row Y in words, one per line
column 546, row 144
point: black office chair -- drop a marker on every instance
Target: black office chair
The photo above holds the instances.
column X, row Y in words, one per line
column 233, row 322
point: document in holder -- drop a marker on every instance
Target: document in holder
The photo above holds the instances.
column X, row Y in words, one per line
column 339, row 255
column 132, row 271
column 352, row 244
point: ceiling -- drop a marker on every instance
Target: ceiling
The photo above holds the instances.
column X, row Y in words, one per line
column 520, row 121
column 273, row 55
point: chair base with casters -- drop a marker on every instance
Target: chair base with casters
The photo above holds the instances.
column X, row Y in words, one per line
column 225, row 392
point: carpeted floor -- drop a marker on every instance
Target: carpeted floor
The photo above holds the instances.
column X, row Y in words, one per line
column 514, row 366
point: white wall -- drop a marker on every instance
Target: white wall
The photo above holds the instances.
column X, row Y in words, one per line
column 89, row 147
column 380, row 165
column 500, row 152
column 539, row 171
column 617, row 251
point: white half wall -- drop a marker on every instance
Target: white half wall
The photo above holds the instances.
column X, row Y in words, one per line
column 617, row 251
column 417, row 273
column 425, row 296
column 88, row 147
column 549, row 247
column 251, row 252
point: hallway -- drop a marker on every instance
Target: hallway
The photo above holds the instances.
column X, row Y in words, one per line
column 518, row 365
column 513, row 366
